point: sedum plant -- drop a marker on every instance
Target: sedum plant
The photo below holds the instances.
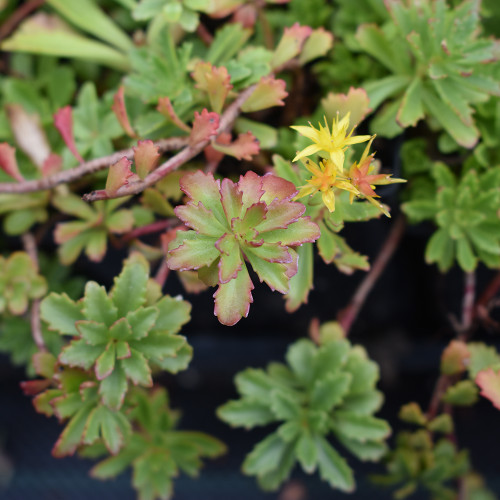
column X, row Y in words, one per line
column 252, row 220
column 322, row 391
column 227, row 141
column 119, row 336
column 441, row 72
column 19, row 283
column 466, row 212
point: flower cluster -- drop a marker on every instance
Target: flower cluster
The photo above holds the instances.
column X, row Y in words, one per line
column 330, row 175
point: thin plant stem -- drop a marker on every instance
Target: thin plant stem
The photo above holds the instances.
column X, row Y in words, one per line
column 162, row 273
column 18, row 15
column 86, row 168
column 348, row 315
column 29, row 244
column 464, row 330
column 154, row 227
column 468, row 304
column 190, row 151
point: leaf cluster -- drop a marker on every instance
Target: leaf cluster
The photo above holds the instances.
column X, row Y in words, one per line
column 19, row 283
column 253, row 220
column 322, row 391
column 120, row 335
column 465, row 209
column 438, row 63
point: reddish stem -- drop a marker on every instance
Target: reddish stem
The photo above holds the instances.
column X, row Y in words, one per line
column 177, row 160
column 162, row 273
column 468, row 307
column 18, row 15
column 463, row 332
column 86, row 168
column 154, row 227
column 490, row 291
column 205, row 35
column 348, row 315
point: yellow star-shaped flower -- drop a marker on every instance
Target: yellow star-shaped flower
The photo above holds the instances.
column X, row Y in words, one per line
column 325, row 180
column 333, row 142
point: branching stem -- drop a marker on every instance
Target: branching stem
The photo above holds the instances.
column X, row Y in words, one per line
column 464, row 330
column 348, row 315
column 83, row 169
column 177, row 160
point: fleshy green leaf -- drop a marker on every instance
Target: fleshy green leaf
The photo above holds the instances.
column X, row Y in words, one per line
column 61, row 313
column 245, row 413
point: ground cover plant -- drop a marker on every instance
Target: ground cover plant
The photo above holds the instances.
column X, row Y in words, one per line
column 229, row 145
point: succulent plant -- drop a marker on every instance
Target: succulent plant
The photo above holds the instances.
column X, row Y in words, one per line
column 439, row 67
column 254, row 221
column 90, row 233
column 466, row 212
column 156, row 450
column 19, row 282
column 118, row 335
column 323, row 390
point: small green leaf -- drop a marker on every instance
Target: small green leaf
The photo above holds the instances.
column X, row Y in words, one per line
column 442, row 423
column 413, row 414
column 245, row 413
column 72, row 434
column 371, row 451
column 332, row 467
column 178, row 363
column 301, row 284
column 137, row 369
column 284, row 405
column 328, row 392
column 265, row 456
column 255, row 384
column 97, row 305
column 481, row 358
column 227, row 42
column 440, row 249
column 307, row 453
column 158, row 345
column 465, row 255
column 411, row 110
column 232, row 299
column 113, row 388
column 61, row 313
column 360, row 428
column 79, row 353
column 463, row 393
column 105, row 363
column 173, row 314
column 129, row 290
column 92, row 332
column 300, row 356
column 141, row 321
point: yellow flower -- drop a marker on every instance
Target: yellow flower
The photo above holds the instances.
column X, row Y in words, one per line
column 324, row 180
column 360, row 175
column 333, row 142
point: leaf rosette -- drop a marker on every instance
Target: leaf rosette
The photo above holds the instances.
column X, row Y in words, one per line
column 324, row 390
column 439, row 65
column 254, row 221
column 466, row 212
column 19, row 282
column 156, row 450
column 120, row 334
